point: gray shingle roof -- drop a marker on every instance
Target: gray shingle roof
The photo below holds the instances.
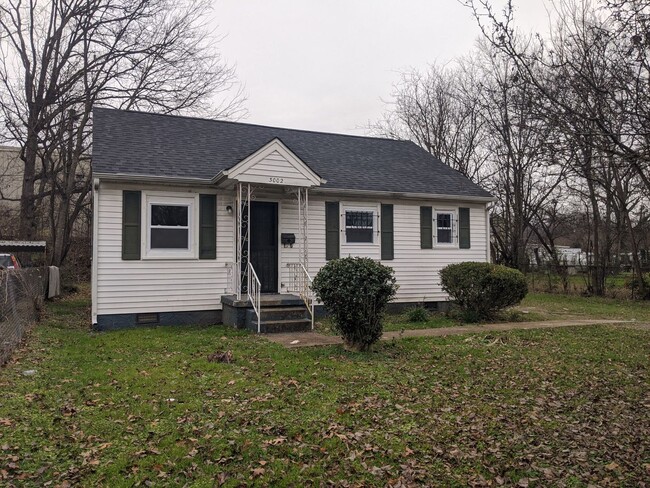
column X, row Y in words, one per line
column 138, row 143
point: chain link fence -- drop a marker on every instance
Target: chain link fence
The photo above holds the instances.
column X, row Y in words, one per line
column 620, row 281
column 22, row 294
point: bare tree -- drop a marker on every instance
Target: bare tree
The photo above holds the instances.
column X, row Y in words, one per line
column 440, row 111
column 480, row 119
column 62, row 58
column 526, row 170
column 623, row 67
column 591, row 71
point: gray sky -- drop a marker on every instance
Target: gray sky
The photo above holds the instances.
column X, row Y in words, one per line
column 327, row 64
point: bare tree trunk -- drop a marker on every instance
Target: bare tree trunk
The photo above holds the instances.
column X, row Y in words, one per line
column 27, row 229
column 596, row 271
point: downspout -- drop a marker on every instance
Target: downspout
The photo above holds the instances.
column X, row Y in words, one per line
column 95, row 252
column 488, row 211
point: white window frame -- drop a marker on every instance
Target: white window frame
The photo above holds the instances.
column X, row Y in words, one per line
column 454, row 227
column 192, row 204
column 375, row 212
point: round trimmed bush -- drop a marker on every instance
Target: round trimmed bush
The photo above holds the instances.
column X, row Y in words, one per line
column 481, row 290
column 356, row 292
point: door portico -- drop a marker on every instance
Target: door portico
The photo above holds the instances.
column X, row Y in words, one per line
column 272, row 169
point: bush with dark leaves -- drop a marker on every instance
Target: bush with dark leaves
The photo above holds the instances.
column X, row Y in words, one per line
column 481, row 290
column 356, row 292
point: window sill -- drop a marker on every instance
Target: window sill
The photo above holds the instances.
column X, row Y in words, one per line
column 170, row 256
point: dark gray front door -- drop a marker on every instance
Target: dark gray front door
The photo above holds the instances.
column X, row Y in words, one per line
column 264, row 244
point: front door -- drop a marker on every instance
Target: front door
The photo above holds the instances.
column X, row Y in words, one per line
column 264, row 244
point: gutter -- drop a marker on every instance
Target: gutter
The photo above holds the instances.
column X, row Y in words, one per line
column 173, row 180
column 401, row 195
column 223, row 175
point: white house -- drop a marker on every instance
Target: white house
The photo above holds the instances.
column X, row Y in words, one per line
column 203, row 221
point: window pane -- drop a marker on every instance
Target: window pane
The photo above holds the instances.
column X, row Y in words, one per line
column 444, row 220
column 444, row 236
column 359, row 226
column 169, row 239
column 358, row 219
column 358, row 235
column 169, row 215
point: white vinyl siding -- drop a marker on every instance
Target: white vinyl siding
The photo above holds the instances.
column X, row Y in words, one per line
column 153, row 285
column 174, row 285
column 289, row 224
column 417, row 270
column 275, row 166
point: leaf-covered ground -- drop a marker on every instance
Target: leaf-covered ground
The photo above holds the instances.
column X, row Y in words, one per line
column 563, row 407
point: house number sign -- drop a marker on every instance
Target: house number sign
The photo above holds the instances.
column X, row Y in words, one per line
column 275, row 179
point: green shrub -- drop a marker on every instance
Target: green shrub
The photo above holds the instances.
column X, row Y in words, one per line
column 481, row 290
column 417, row 314
column 355, row 292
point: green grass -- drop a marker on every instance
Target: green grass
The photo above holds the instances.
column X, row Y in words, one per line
column 552, row 407
column 555, row 307
column 535, row 307
column 397, row 322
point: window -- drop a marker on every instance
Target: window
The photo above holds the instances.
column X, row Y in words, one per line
column 359, row 226
column 444, row 228
column 170, row 227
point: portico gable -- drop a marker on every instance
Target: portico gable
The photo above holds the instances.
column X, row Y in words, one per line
column 274, row 164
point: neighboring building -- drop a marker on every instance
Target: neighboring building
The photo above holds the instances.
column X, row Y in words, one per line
column 181, row 203
column 567, row 256
column 11, row 180
column 11, row 176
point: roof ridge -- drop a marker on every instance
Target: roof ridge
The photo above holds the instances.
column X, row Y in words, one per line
column 193, row 117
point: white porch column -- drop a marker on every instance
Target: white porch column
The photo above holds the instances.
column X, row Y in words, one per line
column 303, row 225
column 242, row 248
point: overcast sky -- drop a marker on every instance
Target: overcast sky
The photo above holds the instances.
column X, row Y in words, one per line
column 327, row 64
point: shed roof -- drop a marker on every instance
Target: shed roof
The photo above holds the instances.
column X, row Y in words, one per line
column 139, row 143
column 22, row 246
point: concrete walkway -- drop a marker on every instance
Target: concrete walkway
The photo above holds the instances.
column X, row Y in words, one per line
column 308, row 339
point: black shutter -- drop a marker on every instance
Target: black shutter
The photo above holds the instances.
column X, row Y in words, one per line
column 426, row 228
column 463, row 228
column 387, row 234
column 332, row 230
column 207, row 227
column 131, row 221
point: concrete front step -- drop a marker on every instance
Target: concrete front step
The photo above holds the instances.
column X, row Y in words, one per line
column 281, row 300
column 279, row 319
column 283, row 326
column 284, row 313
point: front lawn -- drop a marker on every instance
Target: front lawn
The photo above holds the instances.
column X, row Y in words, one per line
column 562, row 407
column 557, row 307
column 535, row 307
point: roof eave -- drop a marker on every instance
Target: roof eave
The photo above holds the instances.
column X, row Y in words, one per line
column 405, row 195
column 223, row 175
column 175, row 180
